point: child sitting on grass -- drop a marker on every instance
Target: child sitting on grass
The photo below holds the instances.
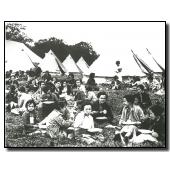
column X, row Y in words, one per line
column 131, row 118
column 30, row 118
column 155, row 122
column 84, row 123
column 58, row 121
column 84, row 119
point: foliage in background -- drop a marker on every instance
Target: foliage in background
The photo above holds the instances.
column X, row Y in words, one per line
column 62, row 50
column 15, row 32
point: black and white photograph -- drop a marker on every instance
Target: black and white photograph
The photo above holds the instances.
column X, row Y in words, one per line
column 86, row 84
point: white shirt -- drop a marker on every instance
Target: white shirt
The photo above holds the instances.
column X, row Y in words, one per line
column 118, row 73
column 82, row 121
column 82, row 88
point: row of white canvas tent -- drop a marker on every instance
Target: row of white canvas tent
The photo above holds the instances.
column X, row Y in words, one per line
column 19, row 57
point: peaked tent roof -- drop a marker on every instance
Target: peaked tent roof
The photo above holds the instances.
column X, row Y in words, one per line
column 51, row 63
column 81, row 63
column 70, row 65
column 64, row 70
column 34, row 58
column 142, row 65
column 147, row 58
column 160, row 66
column 16, row 57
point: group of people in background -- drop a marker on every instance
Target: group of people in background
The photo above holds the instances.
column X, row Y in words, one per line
column 64, row 106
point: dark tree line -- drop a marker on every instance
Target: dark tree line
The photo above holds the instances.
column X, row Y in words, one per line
column 15, row 32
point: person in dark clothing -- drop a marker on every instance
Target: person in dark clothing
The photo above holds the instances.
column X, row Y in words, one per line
column 37, row 71
column 57, row 90
column 155, row 122
column 65, row 88
column 47, row 102
column 116, row 84
column 12, row 95
column 47, row 76
column 102, row 112
column 11, row 98
column 31, row 73
column 91, row 81
column 71, row 81
column 50, row 86
column 7, row 74
column 144, row 99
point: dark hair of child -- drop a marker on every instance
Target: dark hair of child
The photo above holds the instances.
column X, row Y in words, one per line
column 141, row 87
column 102, row 93
column 129, row 98
column 84, row 103
column 61, row 104
column 157, row 110
column 22, row 89
column 30, row 102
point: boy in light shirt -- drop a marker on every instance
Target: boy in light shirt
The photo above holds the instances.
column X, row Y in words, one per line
column 84, row 119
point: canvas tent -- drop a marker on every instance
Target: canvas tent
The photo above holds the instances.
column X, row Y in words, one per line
column 18, row 56
column 52, row 64
column 26, row 51
column 148, row 60
column 158, row 64
column 81, row 63
column 70, row 65
column 104, row 67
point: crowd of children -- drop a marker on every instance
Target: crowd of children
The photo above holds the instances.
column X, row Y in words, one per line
column 42, row 102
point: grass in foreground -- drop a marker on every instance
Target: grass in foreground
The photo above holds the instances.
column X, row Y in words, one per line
column 14, row 136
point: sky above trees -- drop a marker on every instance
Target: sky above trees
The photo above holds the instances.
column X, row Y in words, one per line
column 111, row 40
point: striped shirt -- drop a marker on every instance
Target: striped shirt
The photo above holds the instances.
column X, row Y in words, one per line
column 134, row 114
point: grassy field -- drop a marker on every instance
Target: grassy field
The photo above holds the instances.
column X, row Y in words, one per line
column 15, row 137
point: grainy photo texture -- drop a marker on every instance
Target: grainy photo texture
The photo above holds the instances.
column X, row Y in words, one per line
column 85, row 85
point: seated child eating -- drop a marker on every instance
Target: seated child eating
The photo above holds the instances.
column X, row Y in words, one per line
column 84, row 119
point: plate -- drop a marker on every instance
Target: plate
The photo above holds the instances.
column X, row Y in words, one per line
column 43, row 126
column 145, row 131
column 101, row 118
column 86, row 136
column 131, row 123
column 70, row 128
column 111, row 126
column 94, row 130
column 48, row 102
